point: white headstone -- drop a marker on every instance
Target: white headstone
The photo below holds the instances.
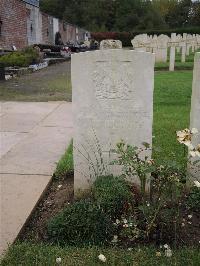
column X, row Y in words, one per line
column 172, row 52
column 110, row 44
column 179, row 40
column 189, row 43
column 112, row 100
column 140, row 42
column 162, row 44
column 183, row 45
column 195, row 110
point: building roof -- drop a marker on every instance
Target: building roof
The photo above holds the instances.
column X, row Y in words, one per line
column 32, row 2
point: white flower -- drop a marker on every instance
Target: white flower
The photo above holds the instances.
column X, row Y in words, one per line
column 168, row 252
column 125, row 221
column 58, row 260
column 158, row 254
column 191, row 147
column 187, row 143
column 166, row 246
column 115, row 239
column 190, row 216
column 117, row 221
column 59, row 186
column 194, row 131
column 125, row 225
column 102, row 258
column 192, row 153
column 148, row 204
column 129, row 249
column 197, row 183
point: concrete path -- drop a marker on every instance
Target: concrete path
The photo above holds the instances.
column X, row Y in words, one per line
column 33, row 137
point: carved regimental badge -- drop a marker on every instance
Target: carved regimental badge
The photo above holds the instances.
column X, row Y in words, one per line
column 113, row 80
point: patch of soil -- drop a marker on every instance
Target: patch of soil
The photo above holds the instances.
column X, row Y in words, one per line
column 190, row 228
column 58, row 195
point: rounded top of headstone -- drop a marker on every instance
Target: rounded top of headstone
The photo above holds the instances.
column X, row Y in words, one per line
column 110, row 44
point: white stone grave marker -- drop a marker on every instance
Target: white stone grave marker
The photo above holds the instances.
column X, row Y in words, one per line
column 195, row 110
column 112, row 100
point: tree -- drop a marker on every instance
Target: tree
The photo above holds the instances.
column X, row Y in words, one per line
column 125, row 15
column 179, row 15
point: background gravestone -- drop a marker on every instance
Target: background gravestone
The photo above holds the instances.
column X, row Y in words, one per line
column 173, row 43
column 195, row 109
column 112, row 100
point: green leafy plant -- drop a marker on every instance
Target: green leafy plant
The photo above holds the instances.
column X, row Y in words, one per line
column 193, row 199
column 134, row 163
column 158, row 209
column 22, row 58
column 81, row 223
column 112, row 194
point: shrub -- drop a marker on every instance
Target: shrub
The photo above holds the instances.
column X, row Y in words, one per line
column 193, row 200
column 126, row 37
column 81, row 223
column 112, row 194
column 20, row 58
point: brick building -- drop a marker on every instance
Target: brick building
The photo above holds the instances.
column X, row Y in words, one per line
column 22, row 23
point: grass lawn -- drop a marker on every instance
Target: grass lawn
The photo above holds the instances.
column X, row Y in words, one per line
column 65, row 164
column 172, row 99
column 50, row 84
column 188, row 65
column 27, row 254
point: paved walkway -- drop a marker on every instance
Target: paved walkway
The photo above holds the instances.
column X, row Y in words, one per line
column 33, row 136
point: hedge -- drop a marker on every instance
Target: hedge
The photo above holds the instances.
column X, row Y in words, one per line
column 126, row 37
column 21, row 58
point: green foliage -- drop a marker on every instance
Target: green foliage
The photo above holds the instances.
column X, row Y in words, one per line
column 112, row 194
column 20, row 58
column 81, row 223
column 193, row 200
column 159, row 209
column 65, row 164
column 126, row 37
column 130, row 158
column 125, row 15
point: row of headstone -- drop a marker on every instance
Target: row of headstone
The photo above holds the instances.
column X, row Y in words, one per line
column 113, row 100
column 159, row 46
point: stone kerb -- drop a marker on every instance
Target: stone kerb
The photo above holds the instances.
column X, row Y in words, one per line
column 112, row 100
column 195, row 111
